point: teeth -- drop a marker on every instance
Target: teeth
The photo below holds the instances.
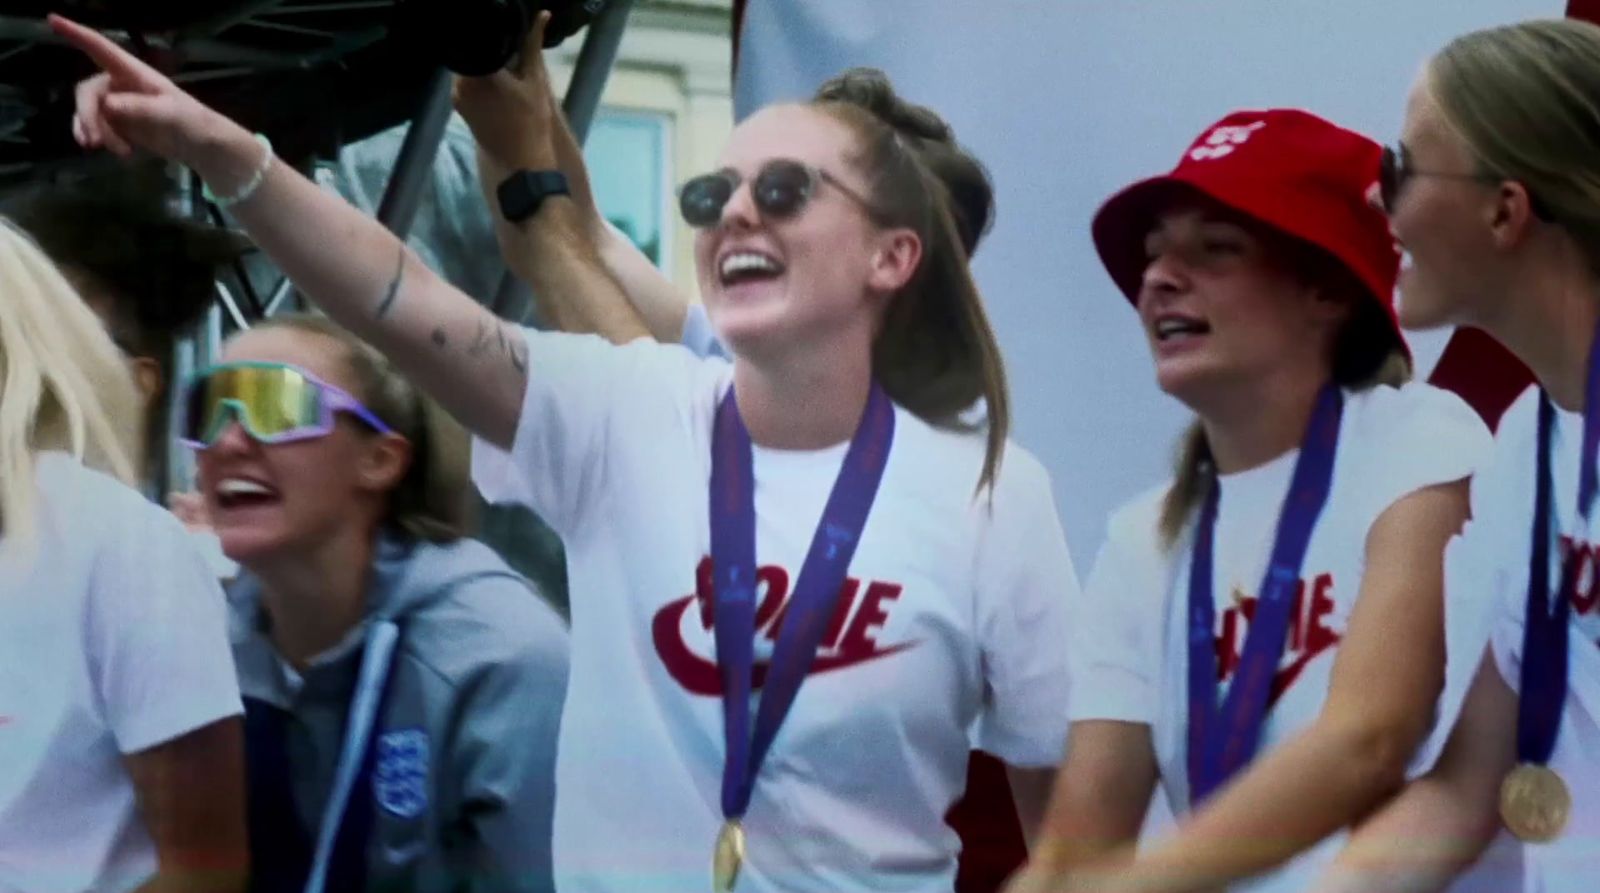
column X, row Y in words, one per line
column 242, row 487
column 1167, row 327
column 746, row 261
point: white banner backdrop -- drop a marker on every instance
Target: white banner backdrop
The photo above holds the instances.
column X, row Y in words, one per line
column 1067, row 101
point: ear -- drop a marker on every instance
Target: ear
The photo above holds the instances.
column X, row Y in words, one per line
column 895, row 262
column 384, row 463
column 1510, row 215
column 147, row 378
column 1329, row 308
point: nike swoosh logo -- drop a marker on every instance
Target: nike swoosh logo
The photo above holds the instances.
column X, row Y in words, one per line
column 699, row 676
column 1287, row 676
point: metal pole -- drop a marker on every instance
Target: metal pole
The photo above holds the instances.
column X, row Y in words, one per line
column 413, row 167
column 596, row 58
column 279, row 295
column 214, row 321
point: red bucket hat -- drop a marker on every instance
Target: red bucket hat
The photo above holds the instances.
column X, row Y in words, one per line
column 1288, row 169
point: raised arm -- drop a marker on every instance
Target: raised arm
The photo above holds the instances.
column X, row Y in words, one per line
column 1386, row 678
column 347, row 263
column 518, row 106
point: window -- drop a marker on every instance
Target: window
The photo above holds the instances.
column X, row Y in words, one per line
column 629, row 164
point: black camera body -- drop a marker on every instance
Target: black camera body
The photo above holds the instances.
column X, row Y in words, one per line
column 475, row 38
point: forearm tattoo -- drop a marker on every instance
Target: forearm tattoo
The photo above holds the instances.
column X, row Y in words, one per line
column 490, row 338
column 393, row 291
column 514, row 347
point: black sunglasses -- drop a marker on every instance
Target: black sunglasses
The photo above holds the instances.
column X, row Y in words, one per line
column 1395, row 171
column 780, row 191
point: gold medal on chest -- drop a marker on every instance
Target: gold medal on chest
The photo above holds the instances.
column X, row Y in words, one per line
column 1535, row 803
column 727, row 857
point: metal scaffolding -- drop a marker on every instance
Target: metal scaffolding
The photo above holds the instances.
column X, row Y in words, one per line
column 402, row 194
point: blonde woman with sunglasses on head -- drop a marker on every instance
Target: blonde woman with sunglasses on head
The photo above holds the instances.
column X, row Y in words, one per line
column 120, row 748
column 814, row 522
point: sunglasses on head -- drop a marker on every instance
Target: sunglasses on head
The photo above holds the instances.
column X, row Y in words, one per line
column 273, row 402
column 780, row 190
column 1395, row 172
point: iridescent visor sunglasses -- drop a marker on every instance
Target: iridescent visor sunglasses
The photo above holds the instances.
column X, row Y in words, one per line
column 273, row 402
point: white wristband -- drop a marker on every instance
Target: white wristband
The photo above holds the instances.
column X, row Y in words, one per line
column 250, row 187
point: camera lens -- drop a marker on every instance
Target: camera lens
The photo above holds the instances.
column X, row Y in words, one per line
column 470, row 37
column 475, row 38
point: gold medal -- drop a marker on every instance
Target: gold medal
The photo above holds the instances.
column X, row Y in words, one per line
column 727, row 856
column 1534, row 803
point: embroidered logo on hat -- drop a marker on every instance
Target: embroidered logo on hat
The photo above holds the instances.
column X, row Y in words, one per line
column 400, row 778
column 1222, row 140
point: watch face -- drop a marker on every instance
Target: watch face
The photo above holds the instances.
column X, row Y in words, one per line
column 524, row 191
column 517, row 201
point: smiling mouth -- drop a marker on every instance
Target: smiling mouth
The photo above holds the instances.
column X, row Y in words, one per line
column 747, row 266
column 235, row 493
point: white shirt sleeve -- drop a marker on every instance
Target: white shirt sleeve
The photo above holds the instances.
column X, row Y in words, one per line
column 1026, row 587
column 1475, row 601
column 1502, row 505
column 1483, row 596
column 1117, row 635
column 1442, row 440
column 156, row 632
column 581, row 387
column 699, row 335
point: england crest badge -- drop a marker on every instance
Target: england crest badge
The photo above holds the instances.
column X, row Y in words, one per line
column 400, row 776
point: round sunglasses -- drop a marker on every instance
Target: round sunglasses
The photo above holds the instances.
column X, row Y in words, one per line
column 1395, row 172
column 780, row 190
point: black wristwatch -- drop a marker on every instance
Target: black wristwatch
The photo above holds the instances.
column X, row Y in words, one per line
column 524, row 191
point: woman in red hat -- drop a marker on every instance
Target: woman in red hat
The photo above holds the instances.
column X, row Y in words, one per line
column 1494, row 191
column 1263, row 634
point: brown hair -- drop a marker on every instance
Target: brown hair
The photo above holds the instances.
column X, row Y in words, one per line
column 1366, row 353
column 936, row 353
column 1526, row 100
column 116, row 232
column 970, row 188
column 431, row 501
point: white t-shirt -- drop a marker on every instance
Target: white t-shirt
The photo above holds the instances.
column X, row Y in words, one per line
column 1488, row 576
column 699, row 335
column 953, row 613
column 1133, row 650
column 112, row 641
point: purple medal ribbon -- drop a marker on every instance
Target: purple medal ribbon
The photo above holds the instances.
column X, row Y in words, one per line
column 1222, row 741
column 1544, row 635
column 733, row 556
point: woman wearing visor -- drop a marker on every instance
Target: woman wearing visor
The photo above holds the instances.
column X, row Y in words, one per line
column 402, row 686
column 798, row 579
column 1495, row 193
column 1262, row 633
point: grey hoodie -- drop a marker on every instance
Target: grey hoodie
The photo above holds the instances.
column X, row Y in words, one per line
column 477, row 683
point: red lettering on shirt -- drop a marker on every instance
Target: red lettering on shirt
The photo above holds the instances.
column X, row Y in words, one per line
column 1309, row 634
column 859, row 639
column 850, row 639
